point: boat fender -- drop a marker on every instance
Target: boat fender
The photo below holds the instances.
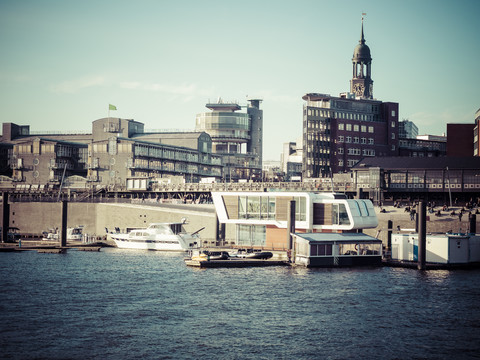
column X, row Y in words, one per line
column 356, row 247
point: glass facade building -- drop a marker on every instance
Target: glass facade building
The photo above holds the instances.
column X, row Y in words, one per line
column 237, row 136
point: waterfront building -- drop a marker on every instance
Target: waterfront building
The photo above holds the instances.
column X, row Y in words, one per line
column 339, row 131
column 116, row 150
column 291, row 159
column 261, row 218
column 422, row 147
column 237, row 136
column 441, row 179
column 407, row 129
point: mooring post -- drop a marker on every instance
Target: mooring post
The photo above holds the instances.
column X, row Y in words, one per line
column 63, row 233
column 389, row 234
column 5, row 216
column 290, row 227
column 473, row 224
column 422, row 235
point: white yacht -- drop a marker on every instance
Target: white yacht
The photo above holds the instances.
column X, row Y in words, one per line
column 158, row 236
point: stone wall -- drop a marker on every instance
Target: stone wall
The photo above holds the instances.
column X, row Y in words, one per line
column 35, row 217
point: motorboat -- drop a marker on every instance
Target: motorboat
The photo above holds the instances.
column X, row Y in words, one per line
column 74, row 233
column 207, row 255
column 252, row 254
column 158, row 236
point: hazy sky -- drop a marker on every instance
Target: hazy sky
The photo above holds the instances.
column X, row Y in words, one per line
column 62, row 62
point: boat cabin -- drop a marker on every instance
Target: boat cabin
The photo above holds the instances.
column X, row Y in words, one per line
column 341, row 249
column 261, row 218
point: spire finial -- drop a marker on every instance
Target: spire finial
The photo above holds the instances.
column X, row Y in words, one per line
column 362, row 38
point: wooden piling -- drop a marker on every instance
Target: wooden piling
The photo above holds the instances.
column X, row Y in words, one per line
column 473, row 224
column 290, row 228
column 422, row 235
column 389, row 234
column 5, row 216
column 63, row 233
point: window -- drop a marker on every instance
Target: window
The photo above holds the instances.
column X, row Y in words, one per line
column 321, row 250
column 364, row 140
column 349, row 139
column 393, row 135
column 393, row 112
column 251, row 235
column 340, row 139
column 340, row 215
column 370, row 129
column 355, row 127
column 349, row 127
column 393, row 147
column 356, row 140
column 393, row 124
column 340, row 151
column 340, row 162
column 364, row 128
column 370, row 141
column 341, row 126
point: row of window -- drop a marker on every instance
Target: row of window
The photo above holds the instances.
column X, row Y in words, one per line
column 356, row 140
column 350, row 127
column 356, row 151
column 350, row 162
column 264, row 207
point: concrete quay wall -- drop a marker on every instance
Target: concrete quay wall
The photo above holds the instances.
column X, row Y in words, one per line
column 35, row 217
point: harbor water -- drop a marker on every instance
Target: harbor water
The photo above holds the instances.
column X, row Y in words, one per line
column 128, row 304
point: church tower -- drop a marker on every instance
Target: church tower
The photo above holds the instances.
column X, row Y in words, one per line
column 362, row 84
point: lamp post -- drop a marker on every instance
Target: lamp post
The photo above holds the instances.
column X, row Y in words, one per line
column 449, row 190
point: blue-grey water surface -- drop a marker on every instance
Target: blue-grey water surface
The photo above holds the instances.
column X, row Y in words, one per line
column 127, row 304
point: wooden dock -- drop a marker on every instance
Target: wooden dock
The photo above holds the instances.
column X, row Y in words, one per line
column 234, row 263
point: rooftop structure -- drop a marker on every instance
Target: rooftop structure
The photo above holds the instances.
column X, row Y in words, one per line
column 236, row 136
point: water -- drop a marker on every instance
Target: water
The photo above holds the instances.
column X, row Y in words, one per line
column 127, row 304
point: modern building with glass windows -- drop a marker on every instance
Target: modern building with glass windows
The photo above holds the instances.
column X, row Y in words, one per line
column 339, row 131
column 261, row 218
column 237, row 136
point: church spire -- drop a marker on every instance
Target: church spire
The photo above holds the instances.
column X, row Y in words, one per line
column 362, row 84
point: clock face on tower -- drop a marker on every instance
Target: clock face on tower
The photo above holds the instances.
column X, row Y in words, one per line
column 358, row 89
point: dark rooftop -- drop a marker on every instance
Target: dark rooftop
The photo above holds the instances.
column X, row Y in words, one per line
column 399, row 162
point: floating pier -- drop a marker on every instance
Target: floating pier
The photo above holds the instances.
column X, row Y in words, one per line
column 230, row 263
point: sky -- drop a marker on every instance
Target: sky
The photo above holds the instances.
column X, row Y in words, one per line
column 62, row 62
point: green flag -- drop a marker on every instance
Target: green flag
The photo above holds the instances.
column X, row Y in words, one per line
column 112, row 107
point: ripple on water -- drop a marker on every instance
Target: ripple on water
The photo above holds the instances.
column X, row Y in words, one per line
column 122, row 304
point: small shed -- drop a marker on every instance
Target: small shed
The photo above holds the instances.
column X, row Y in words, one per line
column 337, row 249
column 440, row 248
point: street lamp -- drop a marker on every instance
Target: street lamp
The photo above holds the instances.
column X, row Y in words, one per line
column 449, row 190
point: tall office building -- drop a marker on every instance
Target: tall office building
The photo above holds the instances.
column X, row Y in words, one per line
column 339, row 131
column 237, row 136
column 407, row 129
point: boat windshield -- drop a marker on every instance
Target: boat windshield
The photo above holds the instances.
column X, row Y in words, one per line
column 177, row 228
column 161, row 229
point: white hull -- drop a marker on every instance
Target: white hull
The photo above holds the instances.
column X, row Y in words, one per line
column 144, row 244
column 156, row 237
